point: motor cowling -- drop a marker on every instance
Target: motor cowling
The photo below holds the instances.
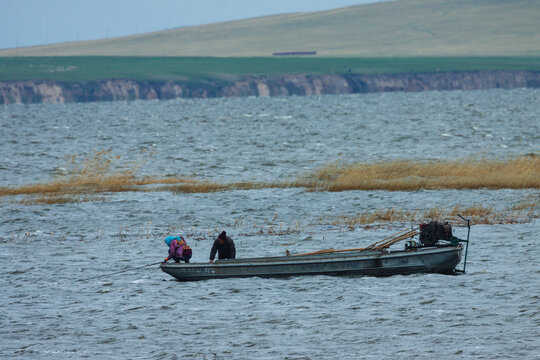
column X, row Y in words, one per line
column 434, row 231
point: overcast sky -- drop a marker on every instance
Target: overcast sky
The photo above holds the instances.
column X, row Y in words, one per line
column 36, row 22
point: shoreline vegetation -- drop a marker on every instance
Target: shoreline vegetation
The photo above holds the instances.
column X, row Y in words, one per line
column 93, row 178
column 200, row 69
column 106, row 78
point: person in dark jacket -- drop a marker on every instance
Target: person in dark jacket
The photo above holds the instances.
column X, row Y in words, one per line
column 224, row 246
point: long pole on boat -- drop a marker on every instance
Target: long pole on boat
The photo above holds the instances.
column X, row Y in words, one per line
column 375, row 246
column 119, row 272
column 467, row 241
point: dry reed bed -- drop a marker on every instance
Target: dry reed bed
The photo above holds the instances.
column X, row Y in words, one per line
column 94, row 175
column 406, row 175
column 97, row 175
column 478, row 214
column 403, row 175
column 62, row 199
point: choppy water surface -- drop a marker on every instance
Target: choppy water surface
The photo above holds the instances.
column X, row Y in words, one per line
column 491, row 312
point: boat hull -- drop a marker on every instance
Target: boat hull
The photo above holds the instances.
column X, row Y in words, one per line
column 425, row 260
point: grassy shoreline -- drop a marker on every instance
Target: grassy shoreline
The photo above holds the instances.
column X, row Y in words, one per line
column 93, row 68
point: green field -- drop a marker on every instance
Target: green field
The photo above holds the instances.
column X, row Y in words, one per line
column 403, row 28
column 199, row 68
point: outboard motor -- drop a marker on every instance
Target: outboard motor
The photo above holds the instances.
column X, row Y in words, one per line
column 434, row 231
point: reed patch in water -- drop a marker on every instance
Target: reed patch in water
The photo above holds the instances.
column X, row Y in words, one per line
column 97, row 174
column 407, row 175
column 62, row 199
column 530, row 203
column 402, row 175
column 101, row 174
column 209, row 186
column 478, row 214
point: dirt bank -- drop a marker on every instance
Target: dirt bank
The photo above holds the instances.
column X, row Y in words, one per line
column 45, row 91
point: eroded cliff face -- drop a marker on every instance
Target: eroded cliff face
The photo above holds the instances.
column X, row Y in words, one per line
column 45, row 91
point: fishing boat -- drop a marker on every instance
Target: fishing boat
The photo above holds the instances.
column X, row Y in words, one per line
column 436, row 252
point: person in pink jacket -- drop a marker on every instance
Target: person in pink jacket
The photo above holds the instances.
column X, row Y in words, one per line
column 179, row 250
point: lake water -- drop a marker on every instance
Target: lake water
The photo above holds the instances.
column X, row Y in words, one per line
column 490, row 312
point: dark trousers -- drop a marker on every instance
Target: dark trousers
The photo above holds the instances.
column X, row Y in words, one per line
column 183, row 258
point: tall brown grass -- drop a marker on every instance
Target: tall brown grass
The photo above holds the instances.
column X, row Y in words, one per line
column 407, row 175
column 99, row 173
column 478, row 214
column 62, row 199
column 530, row 203
column 209, row 186
column 402, row 175
column 103, row 173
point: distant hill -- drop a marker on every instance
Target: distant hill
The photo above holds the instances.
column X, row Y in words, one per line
column 394, row 28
